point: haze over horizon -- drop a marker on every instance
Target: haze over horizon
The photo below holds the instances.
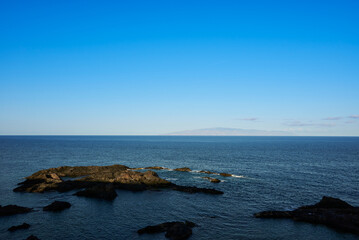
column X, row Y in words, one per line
column 160, row 67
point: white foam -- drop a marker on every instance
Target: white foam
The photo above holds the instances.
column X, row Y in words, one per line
column 238, row 176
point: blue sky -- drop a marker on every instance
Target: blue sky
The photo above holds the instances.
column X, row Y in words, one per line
column 154, row 67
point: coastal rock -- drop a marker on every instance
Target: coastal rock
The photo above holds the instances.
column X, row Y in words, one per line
column 213, row 180
column 103, row 191
column 32, row 237
column 57, row 206
column 13, row 209
column 174, row 230
column 184, row 169
column 225, row 175
column 22, row 226
column 207, row 172
column 332, row 212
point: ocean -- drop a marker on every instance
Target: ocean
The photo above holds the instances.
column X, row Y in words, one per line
column 272, row 173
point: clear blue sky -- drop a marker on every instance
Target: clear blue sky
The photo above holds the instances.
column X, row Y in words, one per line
column 153, row 67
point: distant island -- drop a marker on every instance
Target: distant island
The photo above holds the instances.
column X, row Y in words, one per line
column 229, row 132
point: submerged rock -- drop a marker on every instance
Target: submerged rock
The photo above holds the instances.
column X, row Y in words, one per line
column 57, row 206
column 184, row 169
column 213, row 180
column 22, row 226
column 32, row 237
column 155, row 168
column 332, row 212
column 207, row 172
column 13, row 209
column 196, row 189
column 174, row 230
column 103, row 191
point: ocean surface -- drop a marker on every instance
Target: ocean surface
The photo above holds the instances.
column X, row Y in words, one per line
column 273, row 173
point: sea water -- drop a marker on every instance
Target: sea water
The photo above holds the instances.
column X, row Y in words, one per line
column 273, row 173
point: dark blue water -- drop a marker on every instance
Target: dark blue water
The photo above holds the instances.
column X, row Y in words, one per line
column 278, row 173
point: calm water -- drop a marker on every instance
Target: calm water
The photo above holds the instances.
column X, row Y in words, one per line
column 279, row 173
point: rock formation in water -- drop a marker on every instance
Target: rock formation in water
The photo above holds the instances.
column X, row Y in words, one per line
column 13, row 209
column 99, row 181
column 57, row 206
column 331, row 212
column 183, row 169
column 22, row 226
column 213, row 180
column 174, row 230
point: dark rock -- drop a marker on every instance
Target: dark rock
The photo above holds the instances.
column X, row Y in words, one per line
column 225, row 175
column 196, row 189
column 184, row 169
column 174, row 230
column 13, row 209
column 213, row 180
column 57, row 206
column 103, row 191
column 22, row 226
column 32, row 237
column 331, row 212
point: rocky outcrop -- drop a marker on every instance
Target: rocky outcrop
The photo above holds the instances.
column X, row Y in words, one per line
column 184, row 169
column 100, row 181
column 174, row 230
column 32, row 237
column 57, row 206
column 331, row 212
column 22, row 226
column 103, row 191
column 13, row 209
column 225, row 174
column 213, row 180
column 156, row 168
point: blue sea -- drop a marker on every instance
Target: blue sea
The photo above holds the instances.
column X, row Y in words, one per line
column 272, row 173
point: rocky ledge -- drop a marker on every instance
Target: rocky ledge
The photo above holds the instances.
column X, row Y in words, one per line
column 99, row 181
column 331, row 212
column 13, row 209
column 174, row 230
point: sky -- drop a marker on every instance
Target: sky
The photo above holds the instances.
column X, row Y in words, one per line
column 156, row 67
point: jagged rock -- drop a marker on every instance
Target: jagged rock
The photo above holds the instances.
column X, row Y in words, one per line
column 22, row 226
column 225, row 174
column 103, row 191
column 57, row 206
column 196, row 189
column 32, row 237
column 174, row 230
column 331, row 212
column 184, row 169
column 13, row 209
column 213, row 180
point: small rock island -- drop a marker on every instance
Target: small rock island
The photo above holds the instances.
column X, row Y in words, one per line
column 100, row 181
